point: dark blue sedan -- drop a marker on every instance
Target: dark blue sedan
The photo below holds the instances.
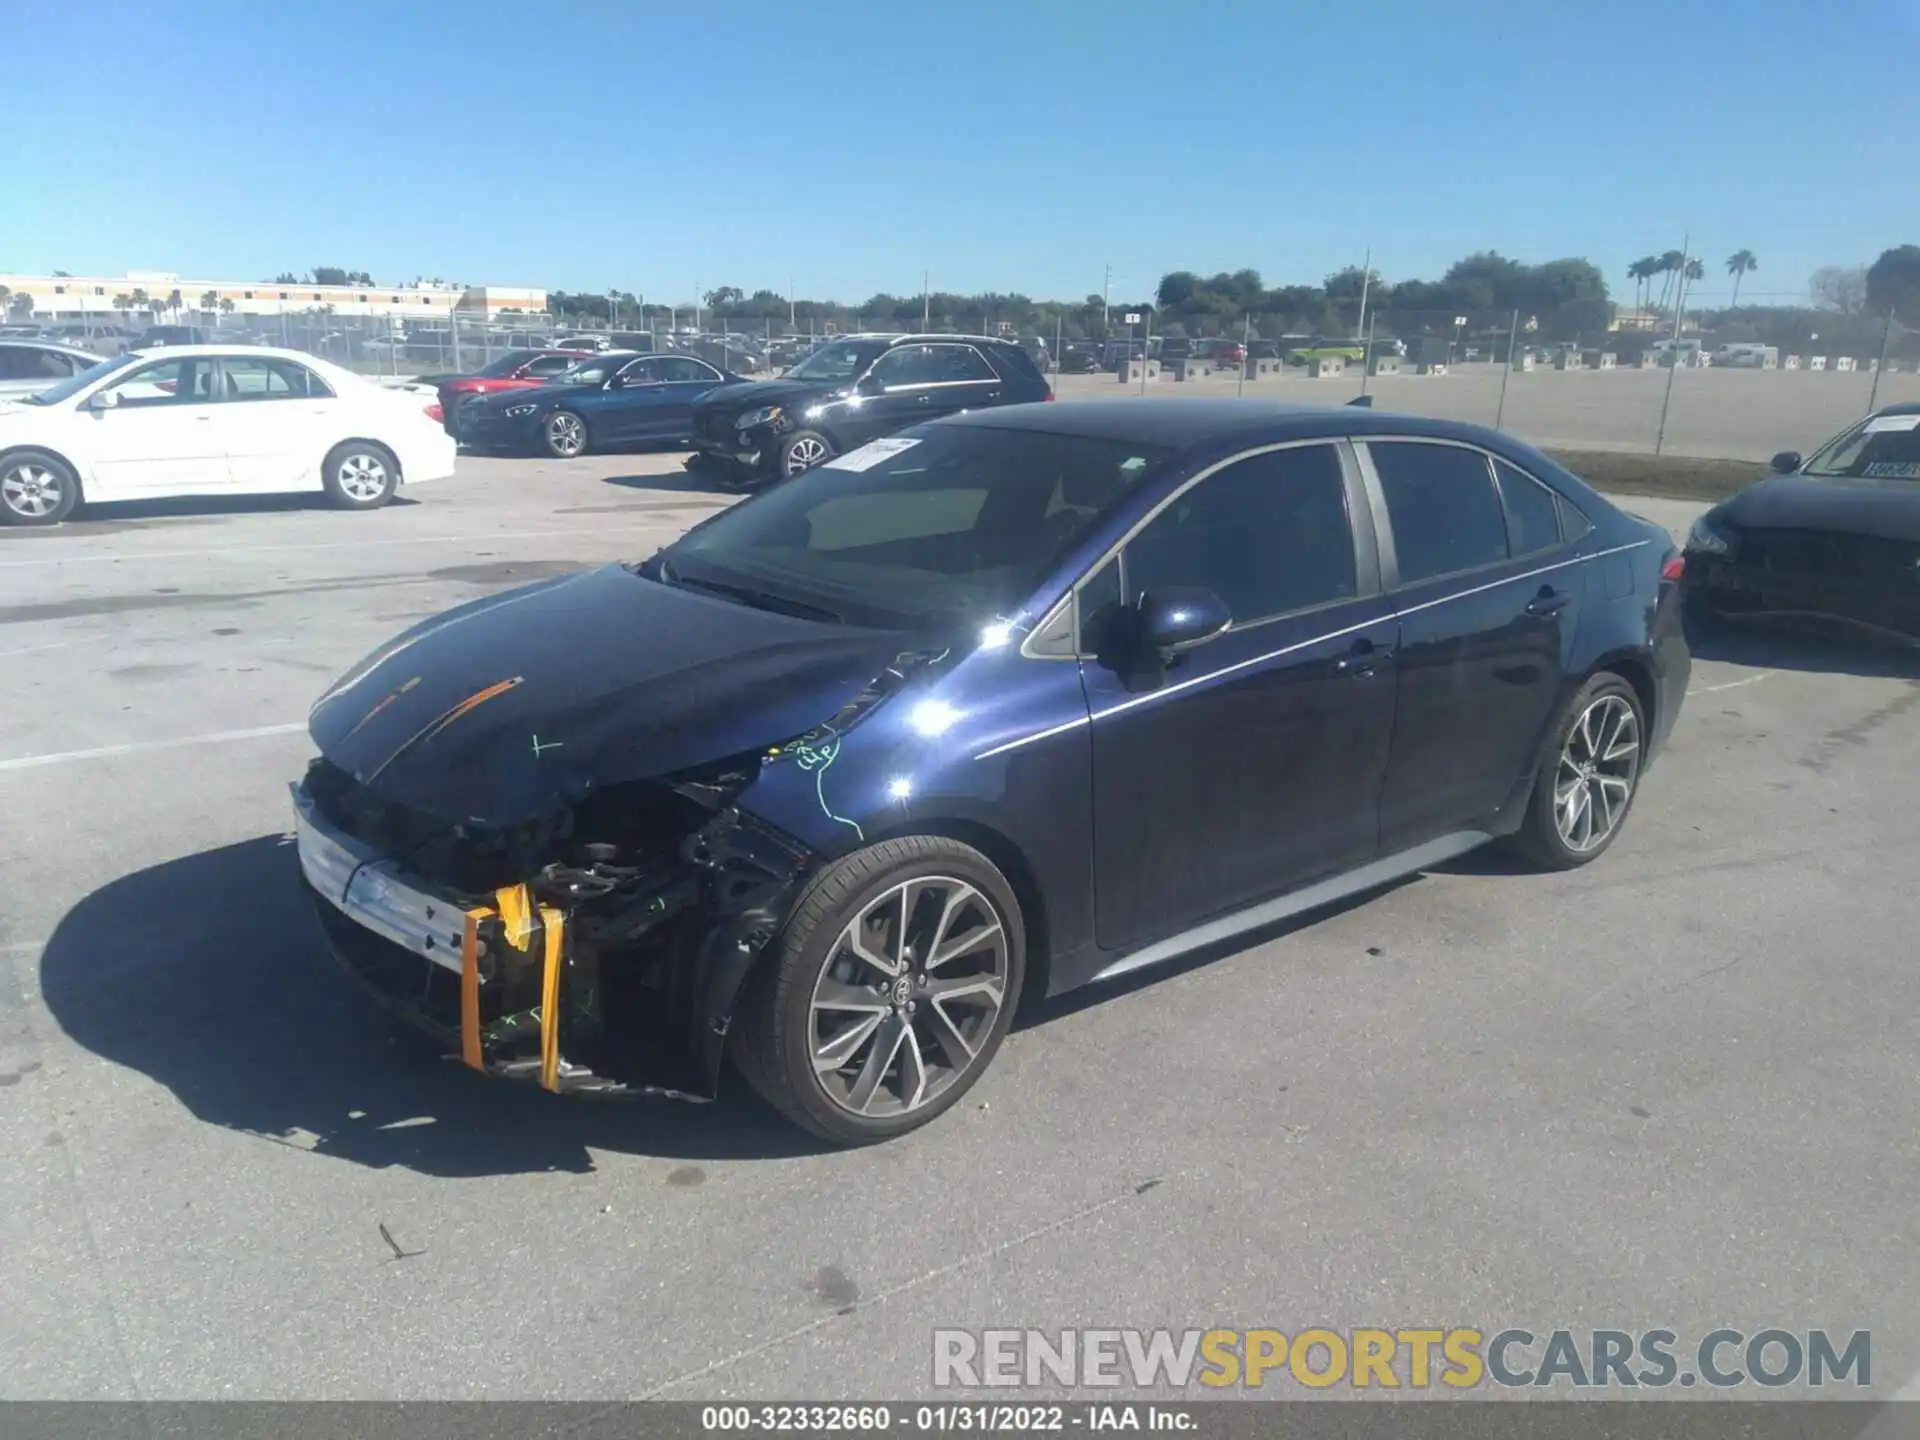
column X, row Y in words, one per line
column 617, row 398
column 1002, row 705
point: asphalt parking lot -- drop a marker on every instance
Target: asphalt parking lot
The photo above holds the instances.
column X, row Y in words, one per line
column 1675, row 1088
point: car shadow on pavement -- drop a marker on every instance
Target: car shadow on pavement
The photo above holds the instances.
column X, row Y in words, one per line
column 209, row 974
column 1777, row 645
column 698, row 481
column 98, row 516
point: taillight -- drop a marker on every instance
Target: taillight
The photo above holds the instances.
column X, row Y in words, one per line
column 1048, row 396
column 434, row 412
column 1674, row 570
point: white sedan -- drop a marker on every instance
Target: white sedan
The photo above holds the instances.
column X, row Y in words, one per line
column 213, row 420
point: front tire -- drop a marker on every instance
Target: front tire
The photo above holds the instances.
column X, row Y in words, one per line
column 37, row 488
column 888, row 992
column 565, row 435
column 360, row 475
column 800, row 452
column 1589, row 776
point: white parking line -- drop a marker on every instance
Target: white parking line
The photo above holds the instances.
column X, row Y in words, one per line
column 1732, row 684
column 120, row 557
column 142, row 747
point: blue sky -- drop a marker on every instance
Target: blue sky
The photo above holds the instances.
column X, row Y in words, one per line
column 660, row 145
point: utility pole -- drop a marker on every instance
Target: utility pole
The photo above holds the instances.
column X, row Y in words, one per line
column 792, row 324
column 1366, row 282
column 1106, row 299
column 926, row 278
column 1673, row 348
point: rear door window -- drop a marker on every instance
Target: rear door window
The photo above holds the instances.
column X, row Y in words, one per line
column 1443, row 507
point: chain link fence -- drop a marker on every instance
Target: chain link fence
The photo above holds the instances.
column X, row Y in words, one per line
column 1570, row 380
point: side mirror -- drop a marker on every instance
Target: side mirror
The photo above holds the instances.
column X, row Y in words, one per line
column 1181, row 617
column 1786, row 462
column 104, row 400
column 869, row 385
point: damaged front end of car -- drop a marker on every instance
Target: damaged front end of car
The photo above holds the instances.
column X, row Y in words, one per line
column 600, row 947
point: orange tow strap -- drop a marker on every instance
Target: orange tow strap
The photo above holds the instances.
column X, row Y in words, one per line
column 554, row 923
column 470, row 1051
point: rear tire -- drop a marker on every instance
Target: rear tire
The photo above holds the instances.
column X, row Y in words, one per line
column 1589, row 776
column 903, row 962
column 36, row 488
column 360, row 475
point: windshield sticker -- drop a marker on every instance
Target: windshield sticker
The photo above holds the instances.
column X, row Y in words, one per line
column 869, row 455
column 1893, row 470
column 1881, row 424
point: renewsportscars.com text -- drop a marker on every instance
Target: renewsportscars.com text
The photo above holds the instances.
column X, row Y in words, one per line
column 1392, row 1359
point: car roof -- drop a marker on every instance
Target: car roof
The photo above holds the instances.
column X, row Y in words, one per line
column 1182, row 423
column 29, row 342
column 1905, row 407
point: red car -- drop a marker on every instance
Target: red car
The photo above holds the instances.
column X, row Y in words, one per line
column 515, row 370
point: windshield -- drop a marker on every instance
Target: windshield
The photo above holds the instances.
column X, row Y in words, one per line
column 836, row 362
column 507, row 364
column 941, row 525
column 74, row 384
column 1887, row 447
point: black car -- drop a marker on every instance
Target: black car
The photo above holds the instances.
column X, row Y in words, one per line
column 1832, row 538
column 853, row 390
column 1029, row 699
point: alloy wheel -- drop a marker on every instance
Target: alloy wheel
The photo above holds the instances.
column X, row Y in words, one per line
column 1599, row 764
column 908, row 996
column 566, row 435
column 31, row 491
column 804, row 454
column 362, row 476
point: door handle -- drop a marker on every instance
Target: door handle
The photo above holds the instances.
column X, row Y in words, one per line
column 1548, row 602
column 1364, row 660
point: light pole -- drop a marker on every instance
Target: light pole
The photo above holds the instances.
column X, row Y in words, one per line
column 1106, row 299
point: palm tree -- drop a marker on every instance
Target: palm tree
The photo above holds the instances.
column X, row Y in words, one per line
column 1738, row 264
column 209, row 301
column 1641, row 272
column 1668, row 266
column 20, row 306
column 226, row 306
column 139, row 301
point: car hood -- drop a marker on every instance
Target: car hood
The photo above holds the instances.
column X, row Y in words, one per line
column 751, row 394
column 499, row 710
column 1886, row 508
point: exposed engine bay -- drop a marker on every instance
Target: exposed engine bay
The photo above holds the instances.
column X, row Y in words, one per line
column 603, row 943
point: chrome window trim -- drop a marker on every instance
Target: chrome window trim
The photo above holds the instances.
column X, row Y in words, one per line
column 1374, row 488
column 1120, row 545
column 991, row 377
column 1240, row 665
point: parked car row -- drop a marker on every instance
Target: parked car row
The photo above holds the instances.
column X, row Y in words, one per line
column 846, row 392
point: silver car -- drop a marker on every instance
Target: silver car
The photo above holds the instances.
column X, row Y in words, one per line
column 29, row 366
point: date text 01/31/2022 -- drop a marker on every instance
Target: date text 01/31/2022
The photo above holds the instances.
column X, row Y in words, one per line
column 944, row 1419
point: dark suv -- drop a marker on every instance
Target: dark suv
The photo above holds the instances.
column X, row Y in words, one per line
column 852, row 390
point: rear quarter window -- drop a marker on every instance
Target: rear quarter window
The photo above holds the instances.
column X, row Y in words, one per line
column 1015, row 364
